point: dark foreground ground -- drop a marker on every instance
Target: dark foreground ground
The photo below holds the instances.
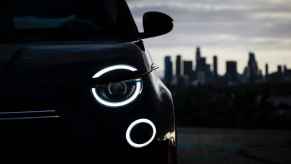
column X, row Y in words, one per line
column 232, row 146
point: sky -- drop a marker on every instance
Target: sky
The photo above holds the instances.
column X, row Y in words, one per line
column 229, row 29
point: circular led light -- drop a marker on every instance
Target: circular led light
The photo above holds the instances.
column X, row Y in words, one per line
column 114, row 104
column 114, row 68
column 135, row 123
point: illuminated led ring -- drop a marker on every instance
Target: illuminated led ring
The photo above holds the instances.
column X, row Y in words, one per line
column 135, row 123
column 122, row 103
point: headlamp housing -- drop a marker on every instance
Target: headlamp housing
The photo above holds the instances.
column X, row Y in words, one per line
column 117, row 94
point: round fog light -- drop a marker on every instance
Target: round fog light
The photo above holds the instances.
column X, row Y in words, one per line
column 140, row 133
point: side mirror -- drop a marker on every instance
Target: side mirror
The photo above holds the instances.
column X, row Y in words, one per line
column 156, row 24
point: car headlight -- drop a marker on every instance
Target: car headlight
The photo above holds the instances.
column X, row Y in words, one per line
column 117, row 94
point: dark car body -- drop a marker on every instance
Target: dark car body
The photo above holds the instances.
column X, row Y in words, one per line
column 47, row 103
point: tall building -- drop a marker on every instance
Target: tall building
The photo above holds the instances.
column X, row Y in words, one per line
column 279, row 69
column 202, row 73
column 267, row 70
column 231, row 71
column 202, row 64
column 179, row 66
column 252, row 72
column 215, row 66
column 188, row 68
column 285, row 69
column 198, row 59
column 168, row 77
column 207, row 68
column 252, row 64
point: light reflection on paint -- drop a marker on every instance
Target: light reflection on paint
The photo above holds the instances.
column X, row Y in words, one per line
column 170, row 136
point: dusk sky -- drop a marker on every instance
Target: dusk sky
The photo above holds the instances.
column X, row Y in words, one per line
column 228, row 28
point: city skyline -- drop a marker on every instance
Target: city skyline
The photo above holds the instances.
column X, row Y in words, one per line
column 227, row 28
column 199, row 71
column 210, row 60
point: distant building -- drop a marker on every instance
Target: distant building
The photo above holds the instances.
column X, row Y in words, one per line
column 188, row 68
column 252, row 72
column 279, row 69
column 202, row 74
column 266, row 70
column 285, row 69
column 287, row 74
column 207, row 67
column 215, row 66
column 231, row 71
column 168, row 77
column 201, row 77
column 202, row 64
column 282, row 74
column 179, row 66
column 198, row 59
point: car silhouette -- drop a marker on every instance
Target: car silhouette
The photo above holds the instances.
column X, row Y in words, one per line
column 76, row 83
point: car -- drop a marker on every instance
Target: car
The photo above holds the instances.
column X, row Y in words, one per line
column 76, row 79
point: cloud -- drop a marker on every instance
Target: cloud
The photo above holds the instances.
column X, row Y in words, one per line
column 236, row 18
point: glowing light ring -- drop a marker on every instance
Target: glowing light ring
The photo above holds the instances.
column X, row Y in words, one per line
column 114, row 68
column 136, row 93
column 135, row 123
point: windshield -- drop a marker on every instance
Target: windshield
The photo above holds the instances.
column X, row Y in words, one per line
column 32, row 20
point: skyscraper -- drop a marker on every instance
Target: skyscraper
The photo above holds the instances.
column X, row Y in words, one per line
column 231, row 71
column 179, row 66
column 188, row 68
column 267, row 70
column 198, row 59
column 215, row 65
column 168, row 77
column 285, row 69
column 202, row 63
column 252, row 72
column 252, row 63
column 279, row 69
